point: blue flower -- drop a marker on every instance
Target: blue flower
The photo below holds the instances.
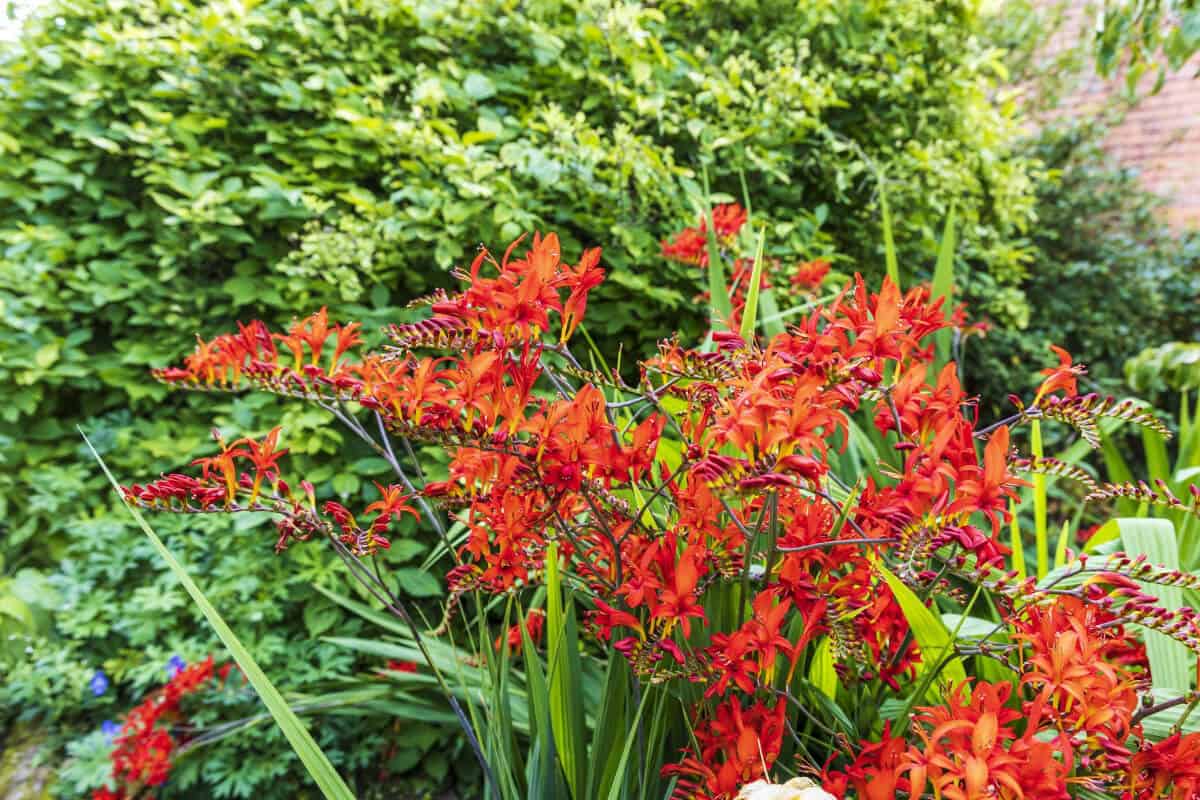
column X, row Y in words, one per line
column 99, row 683
column 110, row 729
column 175, row 666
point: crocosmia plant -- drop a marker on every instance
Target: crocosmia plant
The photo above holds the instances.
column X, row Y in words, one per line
column 792, row 554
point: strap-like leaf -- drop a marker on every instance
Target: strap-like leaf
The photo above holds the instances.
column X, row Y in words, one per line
column 314, row 759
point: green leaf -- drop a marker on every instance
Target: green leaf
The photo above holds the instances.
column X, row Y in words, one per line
column 346, row 484
column 1159, row 726
column 720, row 306
column 543, row 774
column 46, row 355
column 612, row 726
column 566, row 694
column 932, row 636
column 1172, row 664
column 418, row 583
column 1018, row 546
column 1106, row 533
column 943, row 284
column 1064, row 539
column 770, row 319
column 320, row 617
column 1158, row 463
column 618, row 782
column 311, row 755
column 479, row 86
column 750, row 312
column 821, row 672
column 889, row 242
column 1040, row 532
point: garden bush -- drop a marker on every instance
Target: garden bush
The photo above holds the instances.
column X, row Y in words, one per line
column 168, row 170
column 1110, row 277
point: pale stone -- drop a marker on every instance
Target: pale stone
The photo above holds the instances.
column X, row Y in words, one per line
column 795, row 789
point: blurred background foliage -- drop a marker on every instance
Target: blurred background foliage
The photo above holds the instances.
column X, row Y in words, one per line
column 169, row 168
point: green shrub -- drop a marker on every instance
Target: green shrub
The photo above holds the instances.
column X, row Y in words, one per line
column 166, row 170
column 1110, row 278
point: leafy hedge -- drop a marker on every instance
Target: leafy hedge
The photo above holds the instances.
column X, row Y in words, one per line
column 167, row 171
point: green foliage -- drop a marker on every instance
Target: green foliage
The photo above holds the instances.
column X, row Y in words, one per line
column 1110, row 278
column 168, row 170
column 1138, row 42
column 1147, row 38
column 1174, row 366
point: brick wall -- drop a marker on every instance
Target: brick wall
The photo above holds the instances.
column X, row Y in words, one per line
column 1160, row 136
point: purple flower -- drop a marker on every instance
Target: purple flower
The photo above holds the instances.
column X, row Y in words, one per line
column 99, row 683
column 110, row 729
column 175, row 666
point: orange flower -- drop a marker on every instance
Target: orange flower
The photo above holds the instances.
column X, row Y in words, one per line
column 1063, row 377
column 972, row 751
column 810, row 274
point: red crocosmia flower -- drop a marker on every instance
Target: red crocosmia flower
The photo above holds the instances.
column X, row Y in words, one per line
column 677, row 601
column 989, row 490
column 1167, row 769
column 1063, row 377
column 403, row 666
column 972, row 750
column 606, row 618
column 714, row 469
column 733, row 664
column 264, row 454
column 392, row 505
column 691, row 244
column 810, row 274
column 1074, row 664
column 587, row 276
column 728, row 219
column 878, row 771
column 737, row 746
column 535, row 626
column 143, row 749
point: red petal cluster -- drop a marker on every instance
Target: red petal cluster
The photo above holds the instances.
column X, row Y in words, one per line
column 691, row 244
column 223, row 487
column 142, row 756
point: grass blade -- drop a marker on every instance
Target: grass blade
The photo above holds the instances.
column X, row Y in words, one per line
column 772, row 320
column 1118, row 472
column 750, row 312
column 1041, row 535
column 1018, row 546
column 1158, row 463
column 618, row 780
column 564, row 679
column 314, row 759
column 1189, row 433
column 889, row 242
column 1064, row 539
column 611, row 729
column 720, row 306
column 943, row 284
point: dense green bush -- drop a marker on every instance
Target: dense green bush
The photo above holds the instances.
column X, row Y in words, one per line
column 166, row 169
column 1110, row 278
